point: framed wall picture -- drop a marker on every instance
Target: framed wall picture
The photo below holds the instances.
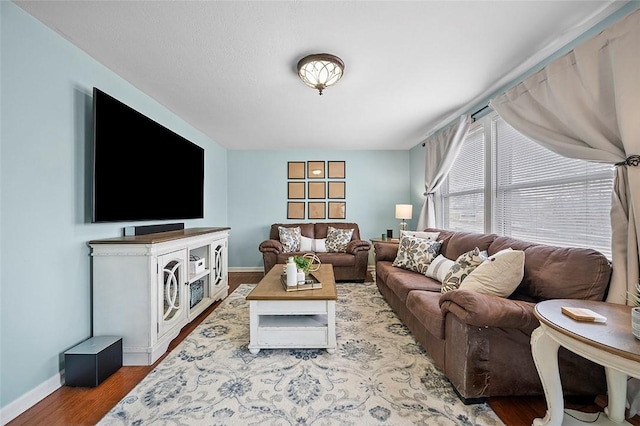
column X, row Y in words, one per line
column 315, row 170
column 295, row 170
column 337, row 210
column 337, row 190
column 337, row 170
column 317, row 190
column 316, row 210
column 295, row 191
column 295, row 210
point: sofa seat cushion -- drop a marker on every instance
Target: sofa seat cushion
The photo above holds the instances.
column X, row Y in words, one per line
column 425, row 307
column 401, row 282
column 337, row 259
column 383, row 269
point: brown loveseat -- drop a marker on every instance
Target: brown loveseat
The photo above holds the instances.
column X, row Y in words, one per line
column 482, row 342
column 348, row 266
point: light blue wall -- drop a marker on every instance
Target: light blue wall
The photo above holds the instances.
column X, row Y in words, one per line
column 376, row 182
column 46, row 85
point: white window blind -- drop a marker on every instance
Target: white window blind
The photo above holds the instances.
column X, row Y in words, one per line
column 463, row 190
column 547, row 198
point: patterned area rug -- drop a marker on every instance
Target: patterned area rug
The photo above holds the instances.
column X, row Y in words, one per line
column 379, row 375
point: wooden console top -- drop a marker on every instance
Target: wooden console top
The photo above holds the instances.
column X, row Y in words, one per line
column 159, row 237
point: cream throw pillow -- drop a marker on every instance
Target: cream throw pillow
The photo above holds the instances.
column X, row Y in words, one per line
column 312, row 244
column 439, row 267
column 499, row 275
column 418, row 234
column 306, row 243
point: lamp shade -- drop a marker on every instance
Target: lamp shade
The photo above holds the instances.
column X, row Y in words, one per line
column 404, row 211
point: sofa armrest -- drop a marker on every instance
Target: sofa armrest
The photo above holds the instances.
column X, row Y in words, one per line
column 386, row 251
column 356, row 246
column 271, row 246
column 483, row 310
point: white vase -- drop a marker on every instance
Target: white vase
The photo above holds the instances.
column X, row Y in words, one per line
column 635, row 321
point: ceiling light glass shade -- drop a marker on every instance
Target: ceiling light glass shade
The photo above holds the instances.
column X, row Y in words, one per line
column 320, row 71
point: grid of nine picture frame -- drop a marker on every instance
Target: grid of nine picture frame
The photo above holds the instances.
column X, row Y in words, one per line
column 313, row 188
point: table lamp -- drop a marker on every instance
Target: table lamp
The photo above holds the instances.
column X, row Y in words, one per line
column 404, row 212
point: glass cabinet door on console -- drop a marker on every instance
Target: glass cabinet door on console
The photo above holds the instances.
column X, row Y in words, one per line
column 171, row 280
column 219, row 266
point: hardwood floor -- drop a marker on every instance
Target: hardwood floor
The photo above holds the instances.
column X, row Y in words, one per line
column 86, row 406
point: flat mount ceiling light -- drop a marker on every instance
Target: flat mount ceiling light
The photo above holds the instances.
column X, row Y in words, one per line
column 320, row 71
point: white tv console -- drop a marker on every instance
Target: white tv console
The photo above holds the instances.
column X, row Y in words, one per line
column 144, row 292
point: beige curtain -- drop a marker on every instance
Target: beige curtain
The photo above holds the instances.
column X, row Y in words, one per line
column 586, row 104
column 441, row 151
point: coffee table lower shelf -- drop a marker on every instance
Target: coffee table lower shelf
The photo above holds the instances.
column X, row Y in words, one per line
column 293, row 324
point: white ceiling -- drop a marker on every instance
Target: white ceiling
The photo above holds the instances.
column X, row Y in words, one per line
column 228, row 67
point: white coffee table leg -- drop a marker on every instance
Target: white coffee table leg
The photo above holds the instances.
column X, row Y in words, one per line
column 545, row 355
column 617, row 394
column 331, row 327
column 253, row 327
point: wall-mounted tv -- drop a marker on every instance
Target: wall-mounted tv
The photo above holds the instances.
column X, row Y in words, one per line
column 141, row 169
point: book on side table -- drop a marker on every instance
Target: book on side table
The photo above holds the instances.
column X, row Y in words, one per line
column 582, row 314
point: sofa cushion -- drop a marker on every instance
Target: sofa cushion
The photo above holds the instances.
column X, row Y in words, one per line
column 338, row 239
column 321, row 229
column 425, row 306
column 456, row 243
column 499, row 275
column 465, row 263
column 306, row 229
column 337, row 259
column 439, row 268
column 552, row 272
column 290, row 239
column 415, row 254
column 401, row 282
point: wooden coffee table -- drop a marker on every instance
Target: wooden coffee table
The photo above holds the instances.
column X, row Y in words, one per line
column 609, row 344
column 293, row 319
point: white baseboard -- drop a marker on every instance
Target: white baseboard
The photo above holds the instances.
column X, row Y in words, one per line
column 31, row 398
column 246, row 269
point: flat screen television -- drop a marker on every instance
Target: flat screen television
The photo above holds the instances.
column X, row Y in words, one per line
column 141, row 169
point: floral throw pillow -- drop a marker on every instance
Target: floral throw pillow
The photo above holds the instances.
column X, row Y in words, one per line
column 465, row 264
column 290, row 238
column 415, row 254
column 337, row 239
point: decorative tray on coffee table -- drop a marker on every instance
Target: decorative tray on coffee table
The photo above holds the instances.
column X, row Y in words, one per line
column 311, row 282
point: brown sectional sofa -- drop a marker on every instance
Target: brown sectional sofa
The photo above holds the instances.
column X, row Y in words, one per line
column 350, row 266
column 482, row 342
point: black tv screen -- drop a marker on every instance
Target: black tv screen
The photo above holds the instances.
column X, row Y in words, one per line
column 141, row 169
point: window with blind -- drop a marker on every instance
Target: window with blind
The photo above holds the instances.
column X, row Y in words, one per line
column 534, row 194
column 463, row 190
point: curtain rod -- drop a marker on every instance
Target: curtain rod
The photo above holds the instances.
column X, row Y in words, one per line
column 473, row 117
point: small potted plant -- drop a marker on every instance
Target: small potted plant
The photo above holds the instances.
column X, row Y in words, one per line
column 303, row 263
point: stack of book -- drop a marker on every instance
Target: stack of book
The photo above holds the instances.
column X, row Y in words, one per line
column 310, row 283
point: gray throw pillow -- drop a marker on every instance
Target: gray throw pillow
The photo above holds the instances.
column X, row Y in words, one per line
column 290, row 238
